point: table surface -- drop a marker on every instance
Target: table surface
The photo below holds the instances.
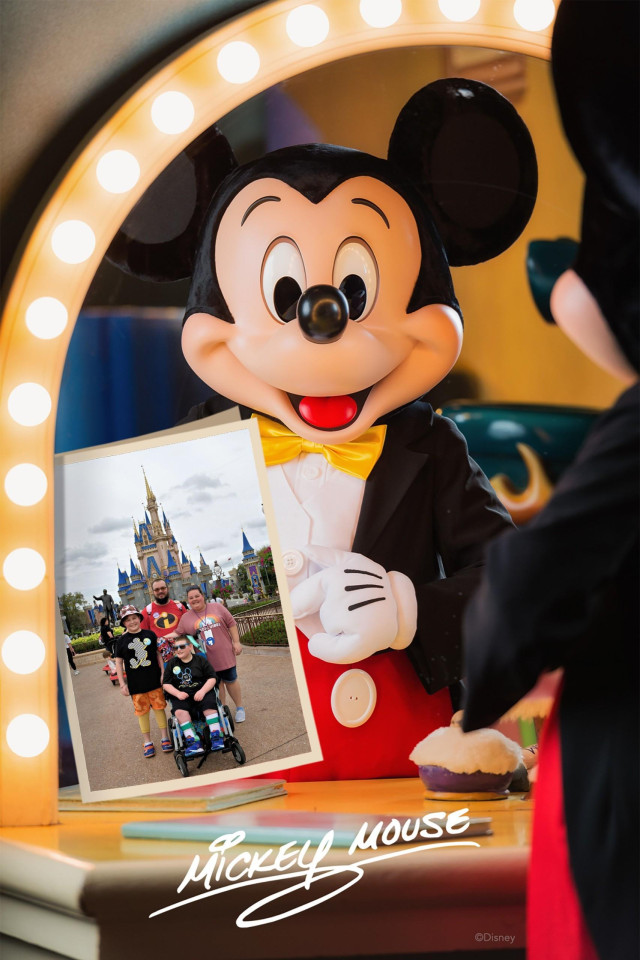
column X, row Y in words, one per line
column 463, row 897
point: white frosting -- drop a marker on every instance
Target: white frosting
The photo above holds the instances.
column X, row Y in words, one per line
column 486, row 750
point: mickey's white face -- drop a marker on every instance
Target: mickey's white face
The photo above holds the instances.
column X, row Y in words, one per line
column 324, row 364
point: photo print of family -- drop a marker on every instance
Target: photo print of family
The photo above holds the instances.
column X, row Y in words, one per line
column 177, row 653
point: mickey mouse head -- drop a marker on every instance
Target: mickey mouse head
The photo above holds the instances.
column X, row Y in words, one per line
column 321, row 293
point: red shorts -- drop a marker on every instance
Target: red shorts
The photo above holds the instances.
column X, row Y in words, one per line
column 143, row 702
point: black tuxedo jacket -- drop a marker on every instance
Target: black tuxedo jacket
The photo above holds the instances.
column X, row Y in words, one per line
column 428, row 511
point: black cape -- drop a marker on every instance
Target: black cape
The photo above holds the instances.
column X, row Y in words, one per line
column 564, row 592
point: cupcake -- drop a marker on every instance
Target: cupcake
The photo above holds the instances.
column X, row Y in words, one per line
column 466, row 766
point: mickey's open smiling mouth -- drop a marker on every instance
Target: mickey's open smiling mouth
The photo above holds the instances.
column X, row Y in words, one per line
column 329, row 413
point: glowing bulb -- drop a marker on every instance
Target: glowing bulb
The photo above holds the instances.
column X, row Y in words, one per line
column 238, row 62
column 46, row 318
column 29, row 404
column 24, row 568
column 27, row 735
column 23, row 652
column 25, row 484
column 307, row 25
column 459, row 10
column 73, row 241
column 380, row 13
column 118, row 171
column 534, row 14
column 172, row 112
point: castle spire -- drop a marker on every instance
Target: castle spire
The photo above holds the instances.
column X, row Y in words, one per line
column 150, row 497
column 154, row 520
column 247, row 549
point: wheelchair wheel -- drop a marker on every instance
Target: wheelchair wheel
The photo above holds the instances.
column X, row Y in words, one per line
column 227, row 713
column 181, row 764
column 238, row 753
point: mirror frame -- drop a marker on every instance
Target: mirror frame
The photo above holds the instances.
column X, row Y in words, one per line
column 30, row 784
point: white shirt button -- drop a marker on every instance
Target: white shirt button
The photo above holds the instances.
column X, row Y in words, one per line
column 353, row 698
column 311, row 472
column 293, row 562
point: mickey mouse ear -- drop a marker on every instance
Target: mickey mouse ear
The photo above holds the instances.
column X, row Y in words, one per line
column 470, row 155
column 157, row 241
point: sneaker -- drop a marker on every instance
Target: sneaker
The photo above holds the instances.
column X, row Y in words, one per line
column 149, row 750
column 76, row 672
column 217, row 743
column 166, row 745
column 192, row 747
column 240, row 716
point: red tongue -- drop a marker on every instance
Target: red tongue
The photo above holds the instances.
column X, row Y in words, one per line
column 328, row 411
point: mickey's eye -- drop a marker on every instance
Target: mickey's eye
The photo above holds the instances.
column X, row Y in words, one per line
column 283, row 279
column 356, row 273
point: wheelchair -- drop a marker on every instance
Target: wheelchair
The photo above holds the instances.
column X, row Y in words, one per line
column 231, row 743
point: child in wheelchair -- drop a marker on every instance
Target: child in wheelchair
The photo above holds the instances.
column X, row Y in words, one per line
column 188, row 682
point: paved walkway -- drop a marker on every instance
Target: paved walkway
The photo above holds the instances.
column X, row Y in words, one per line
column 274, row 728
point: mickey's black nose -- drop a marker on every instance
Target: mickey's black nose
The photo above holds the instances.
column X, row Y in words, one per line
column 323, row 312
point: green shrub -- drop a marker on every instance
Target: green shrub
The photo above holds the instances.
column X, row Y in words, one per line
column 272, row 633
column 86, row 644
column 92, row 642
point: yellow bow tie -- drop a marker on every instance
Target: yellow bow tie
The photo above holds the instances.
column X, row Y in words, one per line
column 357, row 458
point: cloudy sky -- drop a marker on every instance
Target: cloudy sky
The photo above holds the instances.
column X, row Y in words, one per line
column 208, row 489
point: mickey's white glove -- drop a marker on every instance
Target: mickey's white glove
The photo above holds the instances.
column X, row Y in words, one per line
column 362, row 608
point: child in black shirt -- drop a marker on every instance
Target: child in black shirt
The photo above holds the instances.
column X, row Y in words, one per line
column 136, row 651
column 189, row 681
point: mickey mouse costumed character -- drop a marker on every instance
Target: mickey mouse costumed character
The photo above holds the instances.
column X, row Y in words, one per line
column 564, row 591
column 322, row 299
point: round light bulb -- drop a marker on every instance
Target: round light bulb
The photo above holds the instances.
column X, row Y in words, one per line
column 238, row 62
column 27, row 735
column 24, row 568
column 46, row 318
column 23, row 652
column 25, row 484
column 172, row 112
column 29, row 404
column 534, row 15
column 380, row 13
column 459, row 10
column 118, row 171
column 307, row 25
column 73, row 241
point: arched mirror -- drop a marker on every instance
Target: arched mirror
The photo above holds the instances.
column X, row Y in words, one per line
column 273, row 76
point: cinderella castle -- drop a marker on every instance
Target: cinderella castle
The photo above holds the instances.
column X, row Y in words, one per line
column 160, row 557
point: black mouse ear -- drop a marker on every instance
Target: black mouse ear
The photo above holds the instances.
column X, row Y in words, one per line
column 157, row 240
column 465, row 148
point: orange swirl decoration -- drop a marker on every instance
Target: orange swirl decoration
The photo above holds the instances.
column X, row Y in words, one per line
column 525, row 504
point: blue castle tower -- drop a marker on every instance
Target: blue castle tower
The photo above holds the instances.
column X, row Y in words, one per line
column 251, row 563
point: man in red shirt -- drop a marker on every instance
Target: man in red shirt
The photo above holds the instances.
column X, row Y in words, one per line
column 162, row 616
